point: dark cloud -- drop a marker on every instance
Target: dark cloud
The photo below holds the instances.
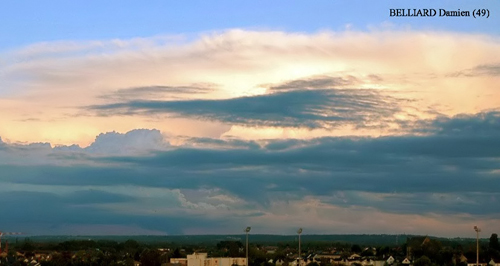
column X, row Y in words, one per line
column 422, row 202
column 477, row 125
column 480, row 70
column 323, row 82
column 452, row 170
column 301, row 108
column 48, row 213
column 485, row 123
column 90, row 196
column 44, row 207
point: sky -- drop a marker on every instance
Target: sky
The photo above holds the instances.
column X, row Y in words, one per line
column 205, row 117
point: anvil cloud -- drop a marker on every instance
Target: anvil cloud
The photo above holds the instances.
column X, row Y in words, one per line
column 380, row 131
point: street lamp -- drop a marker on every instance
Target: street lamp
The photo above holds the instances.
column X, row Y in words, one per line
column 247, row 230
column 477, row 229
column 299, row 232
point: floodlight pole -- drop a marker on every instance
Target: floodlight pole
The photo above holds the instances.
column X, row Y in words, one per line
column 477, row 229
column 299, row 232
column 247, row 230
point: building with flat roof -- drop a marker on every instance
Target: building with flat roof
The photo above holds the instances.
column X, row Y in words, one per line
column 201, row 259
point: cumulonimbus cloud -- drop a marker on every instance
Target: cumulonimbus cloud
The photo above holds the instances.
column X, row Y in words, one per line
column 433, row 163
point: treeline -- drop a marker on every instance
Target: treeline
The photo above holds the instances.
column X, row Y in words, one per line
column 89, row 252
column 264, row 239
column 421, row 250
column 426, row 251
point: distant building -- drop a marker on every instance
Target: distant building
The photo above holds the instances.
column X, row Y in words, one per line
column 390, row 260
column 178, row 261
column 296, row 263
column 474, row 264
column 461, row 259
column 414, row 243
column 270, row 249
column 493, row 263
column 367, row 262
column 328, row 257
column 201, row 259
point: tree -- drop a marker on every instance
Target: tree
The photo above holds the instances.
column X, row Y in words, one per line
column 27, row 245
column 57, row 259
column 367, row 252
column 356, row 248
column 176, row 253
column 423, row 261
column 151, row 257
column 231, row 248
column 383, row 251
column 131, row 244
column 494, row 242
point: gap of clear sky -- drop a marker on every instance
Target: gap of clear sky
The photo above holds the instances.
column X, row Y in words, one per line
column 26, row 22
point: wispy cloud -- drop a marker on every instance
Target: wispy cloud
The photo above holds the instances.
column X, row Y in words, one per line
column 323, row 82
column 300, row 108
column 480, row 70
column 158, row 92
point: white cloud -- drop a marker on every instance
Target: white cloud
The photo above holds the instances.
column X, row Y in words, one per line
column 131, row 142
column 135, row 142
column 45, row 85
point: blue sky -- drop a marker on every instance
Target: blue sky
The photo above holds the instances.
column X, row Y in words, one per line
column 26, row 22
column 206, row 117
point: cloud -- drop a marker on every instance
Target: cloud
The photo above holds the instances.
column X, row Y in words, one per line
column 155, row 92
column 481, row 125
column 302, row 108
column 412, row 203
column 53, row 215
column 133, row 141
column 324, row 82
column 209, row 160
column 45, row 85
column 480, row 70
column 448, row 172
column 209, row 143
column 2, row 144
